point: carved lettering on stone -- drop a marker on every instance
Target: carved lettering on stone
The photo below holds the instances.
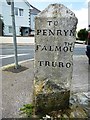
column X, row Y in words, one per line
column 55, row 29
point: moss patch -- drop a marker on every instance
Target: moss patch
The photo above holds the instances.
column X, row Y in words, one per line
column 46, row 103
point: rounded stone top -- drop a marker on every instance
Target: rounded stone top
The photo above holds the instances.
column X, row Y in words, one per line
column 56, row 10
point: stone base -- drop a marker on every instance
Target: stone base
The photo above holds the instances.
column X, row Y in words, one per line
column 46, row 103
column 78, row 108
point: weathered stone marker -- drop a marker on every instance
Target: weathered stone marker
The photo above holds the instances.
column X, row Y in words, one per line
column 55, row 29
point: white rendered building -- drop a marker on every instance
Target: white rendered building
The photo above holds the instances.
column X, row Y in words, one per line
column 24, row 17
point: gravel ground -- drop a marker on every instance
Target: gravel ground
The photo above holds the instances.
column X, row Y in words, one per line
column 17, row 88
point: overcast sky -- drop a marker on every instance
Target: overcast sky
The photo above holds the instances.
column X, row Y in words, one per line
column 79, row 7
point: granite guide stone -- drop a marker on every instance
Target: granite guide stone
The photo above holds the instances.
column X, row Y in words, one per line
column 55, row 30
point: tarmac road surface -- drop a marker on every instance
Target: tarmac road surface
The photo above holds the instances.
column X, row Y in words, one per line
column 26, row 52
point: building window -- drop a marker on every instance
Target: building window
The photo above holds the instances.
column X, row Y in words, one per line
column 20, row 12
column 10, row 29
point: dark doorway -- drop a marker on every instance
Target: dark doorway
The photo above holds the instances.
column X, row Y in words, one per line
column 25, row 31
column 1, row 27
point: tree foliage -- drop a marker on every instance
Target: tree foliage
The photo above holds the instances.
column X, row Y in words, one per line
column 82, row 34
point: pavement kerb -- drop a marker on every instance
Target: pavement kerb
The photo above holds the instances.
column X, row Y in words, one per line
column 13, row 64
